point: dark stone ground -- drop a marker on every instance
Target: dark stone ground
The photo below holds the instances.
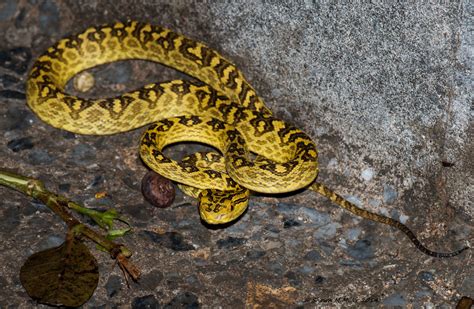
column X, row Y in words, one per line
column 384, row 90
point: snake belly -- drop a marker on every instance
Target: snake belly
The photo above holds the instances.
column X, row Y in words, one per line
column 221, row 109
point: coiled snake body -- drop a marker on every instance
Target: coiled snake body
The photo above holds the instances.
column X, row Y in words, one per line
column 222, row 110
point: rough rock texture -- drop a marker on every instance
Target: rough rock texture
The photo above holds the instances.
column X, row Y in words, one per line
column 384, row 89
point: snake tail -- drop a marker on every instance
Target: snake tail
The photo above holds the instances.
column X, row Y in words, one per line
column 339, row 200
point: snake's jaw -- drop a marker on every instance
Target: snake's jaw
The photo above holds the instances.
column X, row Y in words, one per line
column 220, row 207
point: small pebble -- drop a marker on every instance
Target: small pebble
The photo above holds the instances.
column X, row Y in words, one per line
column 84, row 81
column 157, row 190
column 145, row 302
column 19, row 144
column 184, row 300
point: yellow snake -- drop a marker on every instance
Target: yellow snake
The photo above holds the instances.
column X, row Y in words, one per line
column 221, row 110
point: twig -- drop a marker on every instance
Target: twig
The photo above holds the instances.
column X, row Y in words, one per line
column 59, row 205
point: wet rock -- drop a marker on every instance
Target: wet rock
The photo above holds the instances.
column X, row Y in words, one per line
column 40, row 157
column 145, row 302
column 19, row 144
column 170, row 240
column 230, row 242
column 361, row 250
column 49, row 17
column 113, row 285
column 12, row 94
column 7, row 9
column 184, row 300
column 15, row 59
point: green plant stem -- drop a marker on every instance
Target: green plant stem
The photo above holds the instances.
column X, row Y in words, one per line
column 59, row 205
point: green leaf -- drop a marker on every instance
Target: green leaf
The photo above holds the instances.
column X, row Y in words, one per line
column 63, row 276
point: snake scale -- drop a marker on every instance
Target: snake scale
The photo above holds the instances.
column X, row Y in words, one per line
column 221, row 109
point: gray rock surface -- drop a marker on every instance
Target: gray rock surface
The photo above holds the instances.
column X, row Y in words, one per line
column 384, row 89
